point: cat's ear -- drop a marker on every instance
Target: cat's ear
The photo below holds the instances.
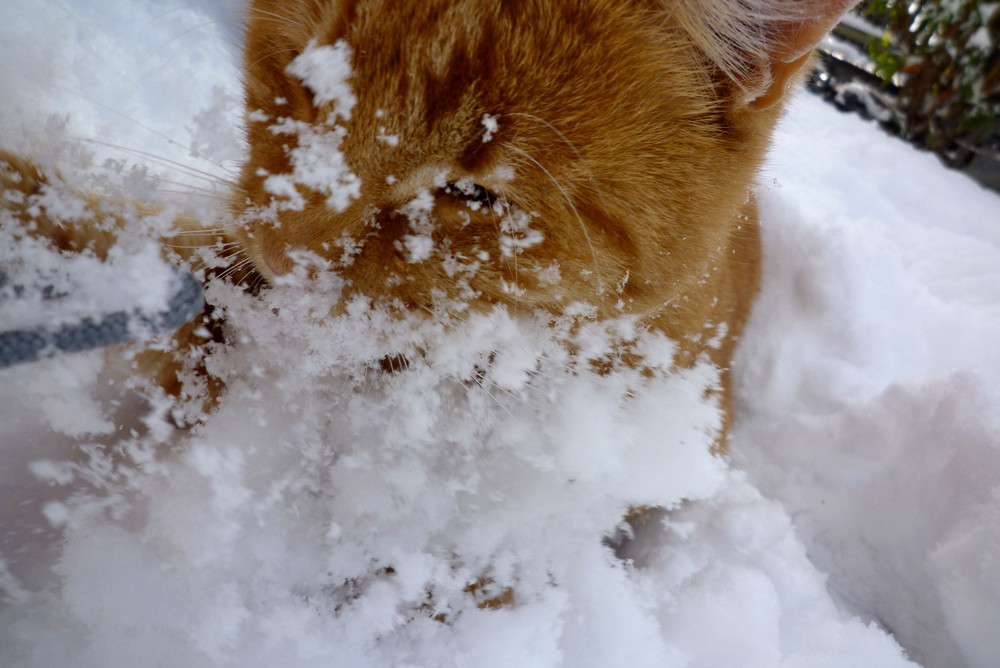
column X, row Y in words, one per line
column 760, row 44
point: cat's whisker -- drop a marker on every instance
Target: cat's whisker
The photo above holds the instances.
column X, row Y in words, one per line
column 166, row 13
column 482, row 386
column 561, row 136
column 228, row 270
column 179, row 167
column 560, row 365
column 193, row 189
column 528, row 386
column 222, row 248
column 201, row 231
column 277, row 18
column 368, row 382
column 177, row 37
column 268, row 54
column 170, row 140
column 465, row 320
column 552, row 363
column 457, row 316
column 258, row 282
column 494, row 353
column 188, row 193
column 513, row 262
column 243, row 263
column 505, row 391
column 166, row 162
column 499, row 234
column 166, row 244
column 583, row 227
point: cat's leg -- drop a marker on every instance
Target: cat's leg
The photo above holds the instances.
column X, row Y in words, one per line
column 738, row 285
column 720, row 306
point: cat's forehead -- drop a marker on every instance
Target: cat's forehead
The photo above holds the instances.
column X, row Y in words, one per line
column 450, row 63
column 456, row 43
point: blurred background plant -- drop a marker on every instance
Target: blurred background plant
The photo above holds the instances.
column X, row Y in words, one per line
column 926, row 70
column 946, row 52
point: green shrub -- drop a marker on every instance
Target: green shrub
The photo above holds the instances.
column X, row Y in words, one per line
column 947, row 53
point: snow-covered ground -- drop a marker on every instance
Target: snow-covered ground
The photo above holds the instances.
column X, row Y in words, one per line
column 330, row 515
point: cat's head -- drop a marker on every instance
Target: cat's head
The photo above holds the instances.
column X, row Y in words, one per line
column 534, row 153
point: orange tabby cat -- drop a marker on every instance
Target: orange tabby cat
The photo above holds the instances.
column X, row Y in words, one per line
column 538, row 153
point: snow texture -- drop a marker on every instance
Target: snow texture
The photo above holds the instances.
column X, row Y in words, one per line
column 330, row 512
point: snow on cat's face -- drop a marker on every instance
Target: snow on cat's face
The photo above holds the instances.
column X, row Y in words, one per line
column 538, row 154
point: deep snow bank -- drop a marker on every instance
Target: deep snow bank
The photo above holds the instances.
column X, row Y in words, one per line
column 870, row 379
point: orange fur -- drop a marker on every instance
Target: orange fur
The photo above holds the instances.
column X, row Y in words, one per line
column 628, row 131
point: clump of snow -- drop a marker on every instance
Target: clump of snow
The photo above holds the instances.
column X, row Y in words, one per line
column 420, row 244
column 516, row 233
column 215, row 133
column 390, row 140
column 317, row 163
column 41, row 289
column 316, row 160
column 491, row 125
column 325, row 69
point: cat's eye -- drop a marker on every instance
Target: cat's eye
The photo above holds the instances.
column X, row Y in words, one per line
column 475, row 195
column 482, row 195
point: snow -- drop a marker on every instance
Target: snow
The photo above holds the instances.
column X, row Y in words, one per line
column 491, row 125
column 30, row 294
column 313, row 166
column 330, row 513
column 326, row 70
column 888, row 301
column 861, row 24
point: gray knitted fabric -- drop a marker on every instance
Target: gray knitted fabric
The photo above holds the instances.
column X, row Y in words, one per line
column 26, row 345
